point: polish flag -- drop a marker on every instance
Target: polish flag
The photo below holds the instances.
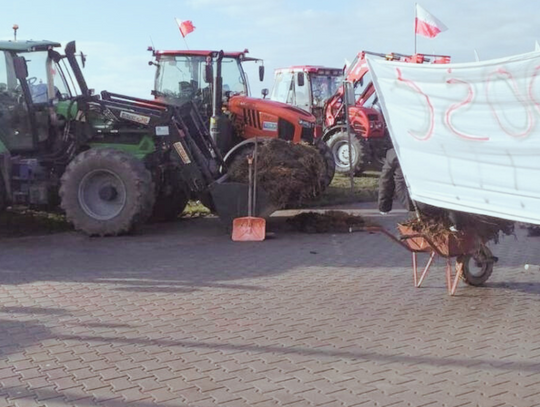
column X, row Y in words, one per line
column 427, row 25
column 185, row 27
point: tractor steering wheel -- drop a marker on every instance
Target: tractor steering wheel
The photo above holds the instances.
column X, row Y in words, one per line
column 31, row 80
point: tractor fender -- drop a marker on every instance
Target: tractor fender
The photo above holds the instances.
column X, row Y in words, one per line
column 333, row 130
column 229, row 157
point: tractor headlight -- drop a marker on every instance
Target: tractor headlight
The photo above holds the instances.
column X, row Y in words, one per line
column 306, row 124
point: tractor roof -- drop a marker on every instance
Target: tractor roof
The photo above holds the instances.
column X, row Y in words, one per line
column 236, row 55
column 316, row 69
column 27, row 46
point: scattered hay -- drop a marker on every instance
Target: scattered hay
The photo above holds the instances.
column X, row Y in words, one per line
column 328, row 222
column 291, row 174
column 436, row 226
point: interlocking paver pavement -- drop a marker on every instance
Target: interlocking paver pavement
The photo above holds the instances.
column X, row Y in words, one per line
column 181, row 316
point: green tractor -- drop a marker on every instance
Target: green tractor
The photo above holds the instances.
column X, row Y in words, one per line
column 110, row 161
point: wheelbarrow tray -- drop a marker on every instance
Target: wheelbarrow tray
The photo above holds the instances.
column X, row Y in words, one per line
column 446, row 245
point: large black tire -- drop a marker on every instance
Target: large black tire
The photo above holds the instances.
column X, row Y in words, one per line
column 339, row 146
column 329, row 162
column 106, row 192
column 477, row 271
column 169, row 204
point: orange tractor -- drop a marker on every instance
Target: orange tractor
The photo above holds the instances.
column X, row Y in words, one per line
column 218, row 85
column 320, row 90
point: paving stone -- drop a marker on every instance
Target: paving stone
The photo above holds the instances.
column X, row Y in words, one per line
column 140, row 320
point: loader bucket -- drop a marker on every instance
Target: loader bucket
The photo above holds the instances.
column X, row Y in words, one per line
column 231, row 201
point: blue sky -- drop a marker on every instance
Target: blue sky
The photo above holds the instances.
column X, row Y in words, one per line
column 115, row 33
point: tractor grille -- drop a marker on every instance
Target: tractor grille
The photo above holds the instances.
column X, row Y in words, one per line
column 251, row 118
column 285, row 130
column 307, row 134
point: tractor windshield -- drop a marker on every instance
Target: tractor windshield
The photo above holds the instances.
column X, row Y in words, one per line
column 323, row 87
column 181, row 77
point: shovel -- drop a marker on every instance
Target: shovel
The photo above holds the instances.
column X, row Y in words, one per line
column 250, row 228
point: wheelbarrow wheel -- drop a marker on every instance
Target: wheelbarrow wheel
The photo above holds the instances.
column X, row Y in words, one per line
column 477, row 268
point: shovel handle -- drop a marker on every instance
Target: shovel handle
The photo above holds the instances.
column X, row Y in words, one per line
column 250, row 185
column 255, row 177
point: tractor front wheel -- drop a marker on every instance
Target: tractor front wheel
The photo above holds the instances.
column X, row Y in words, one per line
column 339, row 146
column 106, row 192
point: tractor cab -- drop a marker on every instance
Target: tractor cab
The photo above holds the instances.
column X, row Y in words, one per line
column 307, row 87
column 35, row 80
column 183, row 76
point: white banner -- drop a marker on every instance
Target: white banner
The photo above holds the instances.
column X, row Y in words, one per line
column 467, row 135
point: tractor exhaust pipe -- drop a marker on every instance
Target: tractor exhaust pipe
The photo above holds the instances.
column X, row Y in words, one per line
column 70, row 55
column 220, row 125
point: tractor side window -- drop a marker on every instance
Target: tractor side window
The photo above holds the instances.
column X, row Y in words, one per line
column 37, row 76
column 233, row 79
column 282, row 88
column 61, row 88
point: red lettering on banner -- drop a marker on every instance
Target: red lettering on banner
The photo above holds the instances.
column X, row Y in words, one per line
column 452, row 109
column 519, row 97
column 415, row 87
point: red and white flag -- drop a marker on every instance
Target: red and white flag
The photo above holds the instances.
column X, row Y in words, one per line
column 427, row 25
column 185, row 27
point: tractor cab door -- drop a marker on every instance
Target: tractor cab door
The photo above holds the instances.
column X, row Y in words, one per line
column 16, row 131
column 292, row 88
column 24, row 97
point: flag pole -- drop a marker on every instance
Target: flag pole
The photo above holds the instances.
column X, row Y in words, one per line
column 415, row 22
column 185, row 42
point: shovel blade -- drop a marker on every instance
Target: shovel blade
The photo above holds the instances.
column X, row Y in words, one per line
column 249, row 229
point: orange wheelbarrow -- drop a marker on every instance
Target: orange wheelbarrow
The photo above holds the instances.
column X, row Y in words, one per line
column 474, row 261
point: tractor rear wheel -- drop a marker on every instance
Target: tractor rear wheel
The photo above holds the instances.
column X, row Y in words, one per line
column 339, row 146
column 106, row 192
column 329, row 162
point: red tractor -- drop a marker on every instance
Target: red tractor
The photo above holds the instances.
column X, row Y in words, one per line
column 365, row 117
column 218, row 85
column 307, row 87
